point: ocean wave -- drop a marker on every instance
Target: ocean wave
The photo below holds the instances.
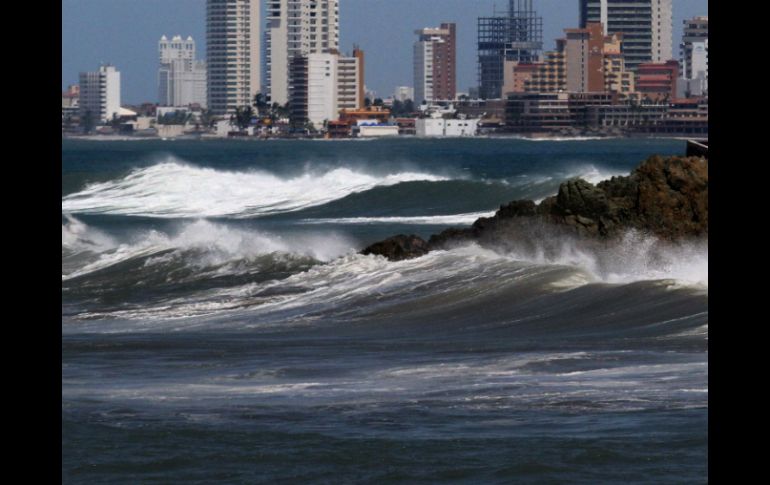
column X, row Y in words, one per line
column 634, row 257
column 173, row 189
column 206, row 244
column 453, row 284
column 468, row 218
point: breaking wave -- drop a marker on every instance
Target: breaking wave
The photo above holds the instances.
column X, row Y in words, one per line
column 172, row 189
column 209, row 269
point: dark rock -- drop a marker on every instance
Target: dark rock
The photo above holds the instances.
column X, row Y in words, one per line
column 452, row 236
column 666, row 197
column 517, row 208
column 399, row 247
column 580, row 197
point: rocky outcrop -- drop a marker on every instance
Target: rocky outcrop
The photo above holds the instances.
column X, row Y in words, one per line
column 666, row 197
column 399, row 247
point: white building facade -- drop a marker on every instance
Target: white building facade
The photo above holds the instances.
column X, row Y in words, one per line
column 323, row 84
column 296, row 28
column 440, row 127
column 100, row 94
column 698, row 68
column 233, row 48
column 181, row 78
column 321, row 88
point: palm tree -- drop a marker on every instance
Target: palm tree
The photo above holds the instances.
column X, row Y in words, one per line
column 207, row 119
column 242, row 117
column 260, row 102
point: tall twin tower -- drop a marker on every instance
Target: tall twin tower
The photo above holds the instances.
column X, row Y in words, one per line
column 234, row 46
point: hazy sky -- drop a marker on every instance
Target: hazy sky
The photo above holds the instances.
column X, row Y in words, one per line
column 126, row 33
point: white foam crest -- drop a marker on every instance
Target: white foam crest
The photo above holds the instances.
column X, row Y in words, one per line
column 636, row 257
column 590, row 173
column 351, row 281
column 467, row 218
column 173, row 189
column 562, row 138
column 219, row 244
column 77, row 236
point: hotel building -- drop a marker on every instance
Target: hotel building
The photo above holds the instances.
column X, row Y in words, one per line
column 233, row 53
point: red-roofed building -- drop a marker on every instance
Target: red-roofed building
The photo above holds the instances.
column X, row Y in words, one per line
column 657, row 81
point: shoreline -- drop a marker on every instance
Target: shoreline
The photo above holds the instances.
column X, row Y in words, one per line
column 502, row 136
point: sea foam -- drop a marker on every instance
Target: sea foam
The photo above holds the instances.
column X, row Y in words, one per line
column 173, row 189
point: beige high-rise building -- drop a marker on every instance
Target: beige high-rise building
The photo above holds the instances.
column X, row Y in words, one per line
column 551, row 76
column 296, row 28
column 617, row 79
column 646, row 26
column 585, row 61
column 233, row 48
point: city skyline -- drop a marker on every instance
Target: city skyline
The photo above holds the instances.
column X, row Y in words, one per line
column 133, row 35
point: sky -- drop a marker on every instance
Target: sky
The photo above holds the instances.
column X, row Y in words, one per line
column 125, row 33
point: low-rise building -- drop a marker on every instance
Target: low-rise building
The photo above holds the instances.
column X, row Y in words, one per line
column 657, row 82
column 370, row 128
column 406, row 126
column 488, row 110
column 440, row 127
column 371, row 113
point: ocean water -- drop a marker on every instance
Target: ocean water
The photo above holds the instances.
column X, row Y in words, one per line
column 218, row 325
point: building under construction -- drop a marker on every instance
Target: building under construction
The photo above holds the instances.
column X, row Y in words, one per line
column 517, row 36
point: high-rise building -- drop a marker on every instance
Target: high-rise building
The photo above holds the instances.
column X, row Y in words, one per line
column 296, row 28
column 359, row 54
column 233, row 53
column 100, row 94
column 646, row 26
column 181, row 78
column 434, row 63
column 617, row 79
column 551, row 75
column 322, row 85
column 517, row 36
column 585, row 58
column 350, row 81
column 694, row 47
column 585, row 61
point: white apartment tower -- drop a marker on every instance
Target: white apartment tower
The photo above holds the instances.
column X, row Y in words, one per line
column 646, row 26
column 100, row 93
column 321, row 88
column 324, row 84
column 233, row 53
column 181, row 78
column 296, row 28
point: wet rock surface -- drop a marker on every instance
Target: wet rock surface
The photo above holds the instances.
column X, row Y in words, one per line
column 665, row 196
